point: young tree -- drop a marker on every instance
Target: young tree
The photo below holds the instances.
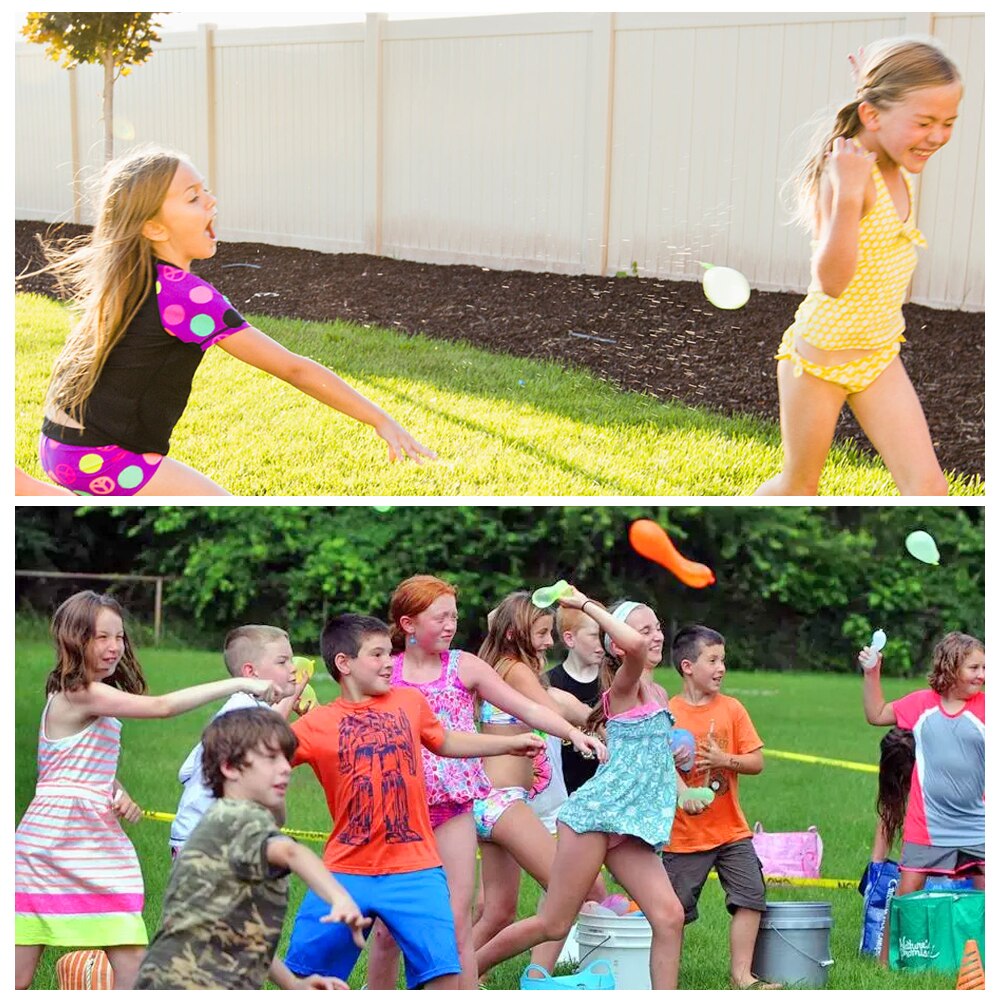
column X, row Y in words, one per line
column 116, row 41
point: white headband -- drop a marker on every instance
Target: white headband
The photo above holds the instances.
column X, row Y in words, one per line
column 620, row 614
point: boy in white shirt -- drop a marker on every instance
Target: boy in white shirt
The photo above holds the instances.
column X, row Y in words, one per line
column 249, row 651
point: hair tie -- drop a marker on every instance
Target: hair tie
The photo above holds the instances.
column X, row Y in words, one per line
column 620, row 614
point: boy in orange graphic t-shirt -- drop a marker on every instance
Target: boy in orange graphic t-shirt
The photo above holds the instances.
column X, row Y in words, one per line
column 364, row 748
column 719, row 836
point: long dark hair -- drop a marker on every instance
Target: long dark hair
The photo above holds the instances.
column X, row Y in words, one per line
column 895, row 769
column 73, row 627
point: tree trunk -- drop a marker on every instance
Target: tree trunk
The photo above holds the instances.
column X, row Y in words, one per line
column 109, row 106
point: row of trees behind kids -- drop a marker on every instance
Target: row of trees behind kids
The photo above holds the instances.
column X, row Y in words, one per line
column 124, row 376
column 405, row 825
column 799, row 587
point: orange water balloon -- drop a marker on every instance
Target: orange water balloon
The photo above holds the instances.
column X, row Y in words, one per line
column 653, row 543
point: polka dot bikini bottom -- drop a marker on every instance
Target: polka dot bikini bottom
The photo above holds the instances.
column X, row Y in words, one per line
column 105, row 471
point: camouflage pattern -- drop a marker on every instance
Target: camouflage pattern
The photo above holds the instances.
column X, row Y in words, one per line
column 223, row 908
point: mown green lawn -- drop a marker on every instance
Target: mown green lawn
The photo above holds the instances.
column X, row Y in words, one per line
column 502, row 426
column 805, row 713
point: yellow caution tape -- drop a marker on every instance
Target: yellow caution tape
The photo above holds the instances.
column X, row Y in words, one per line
column 804, row 758
column 816, row 883
column 298, row 834
column 820, row 883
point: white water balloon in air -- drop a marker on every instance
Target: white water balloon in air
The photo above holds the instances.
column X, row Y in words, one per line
column 725, row 287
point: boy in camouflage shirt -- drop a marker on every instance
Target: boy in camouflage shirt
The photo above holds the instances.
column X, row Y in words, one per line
column 228, row 892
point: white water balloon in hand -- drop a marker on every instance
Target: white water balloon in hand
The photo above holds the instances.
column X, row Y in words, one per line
column 870, row 657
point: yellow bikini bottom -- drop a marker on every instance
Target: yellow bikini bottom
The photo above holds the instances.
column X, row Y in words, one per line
column 851, row 376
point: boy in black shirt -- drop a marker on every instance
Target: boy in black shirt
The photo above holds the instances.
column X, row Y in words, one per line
column 578, row 674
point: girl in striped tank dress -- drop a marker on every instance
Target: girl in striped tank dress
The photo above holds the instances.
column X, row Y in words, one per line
column 856, row 194
column 77, row 879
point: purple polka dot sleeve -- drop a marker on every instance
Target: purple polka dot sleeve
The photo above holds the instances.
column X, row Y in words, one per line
column 192, row 310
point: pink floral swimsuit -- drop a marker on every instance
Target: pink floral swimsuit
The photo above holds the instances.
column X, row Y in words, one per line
column 452, row 783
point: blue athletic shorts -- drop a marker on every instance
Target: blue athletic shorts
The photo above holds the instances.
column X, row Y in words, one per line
column 415, row 906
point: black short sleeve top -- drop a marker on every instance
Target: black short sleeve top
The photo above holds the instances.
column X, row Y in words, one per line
column 146, row 381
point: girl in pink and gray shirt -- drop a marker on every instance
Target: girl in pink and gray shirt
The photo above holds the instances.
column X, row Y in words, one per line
column 944, row 830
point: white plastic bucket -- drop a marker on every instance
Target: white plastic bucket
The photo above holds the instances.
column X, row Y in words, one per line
column 793, row 944
column 623, row 942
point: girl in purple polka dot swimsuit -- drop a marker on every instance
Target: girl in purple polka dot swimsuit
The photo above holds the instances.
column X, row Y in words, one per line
column 123, row 378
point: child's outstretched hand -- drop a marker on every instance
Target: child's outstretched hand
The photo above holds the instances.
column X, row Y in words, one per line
column 344, row 910
column 262, row 689
column 589, row 746
column 526, row 745
column 124, row 807
column 317, row 982
column 402, row 444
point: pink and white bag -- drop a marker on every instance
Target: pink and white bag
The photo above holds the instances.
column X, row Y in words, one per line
column 793, row 855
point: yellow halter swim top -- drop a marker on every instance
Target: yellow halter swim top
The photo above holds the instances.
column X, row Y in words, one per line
column 868, row 314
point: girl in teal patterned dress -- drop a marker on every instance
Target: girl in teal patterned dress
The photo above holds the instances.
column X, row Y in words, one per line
column 623, row 815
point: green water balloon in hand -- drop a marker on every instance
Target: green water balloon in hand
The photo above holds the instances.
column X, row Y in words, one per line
column 545, row 597
column 698, row 794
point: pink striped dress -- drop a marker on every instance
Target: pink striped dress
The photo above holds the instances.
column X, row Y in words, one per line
column 77, row 880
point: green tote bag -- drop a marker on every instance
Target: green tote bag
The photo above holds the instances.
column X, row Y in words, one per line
column 928, row 930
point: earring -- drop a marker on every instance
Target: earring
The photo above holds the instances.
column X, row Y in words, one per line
column 412, row 640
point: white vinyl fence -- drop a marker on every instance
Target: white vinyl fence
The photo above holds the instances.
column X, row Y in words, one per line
column 575, row 143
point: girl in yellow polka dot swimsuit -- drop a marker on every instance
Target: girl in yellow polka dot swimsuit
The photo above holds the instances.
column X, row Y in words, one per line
column 843, row 346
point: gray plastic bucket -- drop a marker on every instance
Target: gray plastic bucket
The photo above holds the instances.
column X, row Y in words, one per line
column 793, row 944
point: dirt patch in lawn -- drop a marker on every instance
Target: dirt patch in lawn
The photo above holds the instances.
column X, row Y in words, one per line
column 658, row 337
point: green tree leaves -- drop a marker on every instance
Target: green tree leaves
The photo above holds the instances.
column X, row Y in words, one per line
column 798, row 587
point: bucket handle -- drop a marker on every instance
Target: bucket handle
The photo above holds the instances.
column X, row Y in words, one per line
column 823, row 963
column 583, row 958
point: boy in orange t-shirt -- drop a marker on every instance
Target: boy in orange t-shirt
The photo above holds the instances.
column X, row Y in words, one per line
column 717, row 837
column 365, row 750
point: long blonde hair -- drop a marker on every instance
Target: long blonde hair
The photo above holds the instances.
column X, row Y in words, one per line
column 107, row 274
column 891, row 69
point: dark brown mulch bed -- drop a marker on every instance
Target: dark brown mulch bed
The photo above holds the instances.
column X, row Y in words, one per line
column 659, row 337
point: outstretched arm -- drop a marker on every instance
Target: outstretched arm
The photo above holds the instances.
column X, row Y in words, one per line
column 460, row 744
column 102, row 699
column 283, row 852
column 570, row 707
column 256, row 348
column 523, row 696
